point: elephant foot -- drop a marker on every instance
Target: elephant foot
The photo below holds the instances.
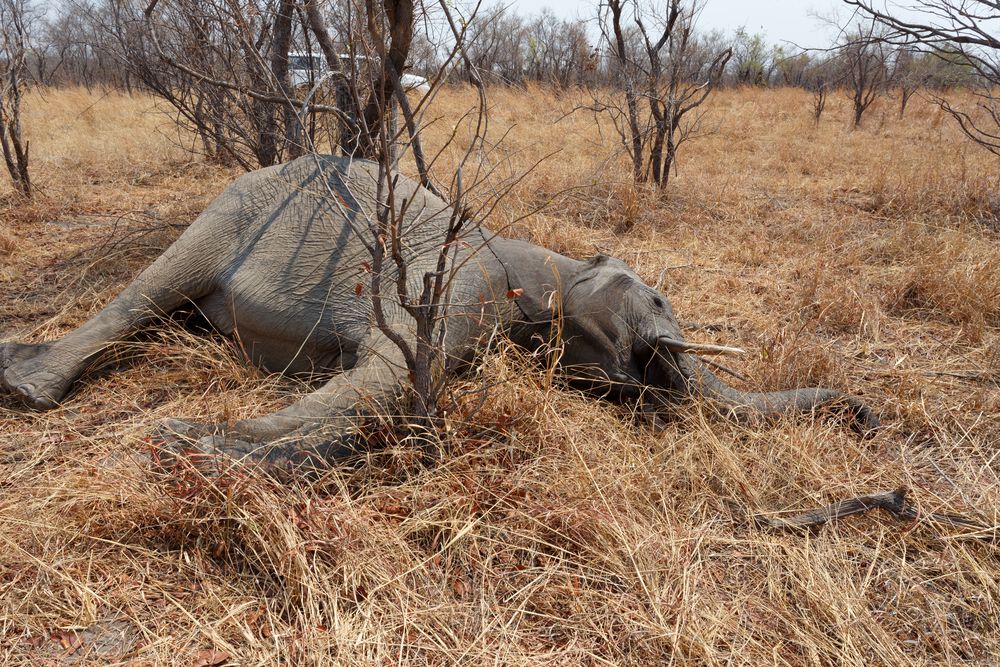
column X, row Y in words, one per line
column 175, row 430
column 206, row 450
column 23, row 374
column 181, row 448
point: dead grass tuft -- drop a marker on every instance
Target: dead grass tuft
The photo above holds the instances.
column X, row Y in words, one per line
column 966, row 294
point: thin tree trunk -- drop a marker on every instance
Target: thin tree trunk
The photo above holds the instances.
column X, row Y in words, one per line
column 905, row 95
column 343, row 99
column 279, row 68
column 269, row 148
column 15, row 156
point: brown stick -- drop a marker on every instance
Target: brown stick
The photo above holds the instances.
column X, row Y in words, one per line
column 893, row 502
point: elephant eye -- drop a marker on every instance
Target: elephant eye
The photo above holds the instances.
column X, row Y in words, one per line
column 658, row 302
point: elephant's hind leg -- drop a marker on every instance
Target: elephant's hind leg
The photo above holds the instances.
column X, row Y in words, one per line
column 42, row 374
column 298, row 454
column 314, row 433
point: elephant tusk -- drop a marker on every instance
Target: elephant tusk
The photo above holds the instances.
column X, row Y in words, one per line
column 675, row 345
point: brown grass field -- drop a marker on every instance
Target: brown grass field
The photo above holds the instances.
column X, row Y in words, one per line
column 555, row 530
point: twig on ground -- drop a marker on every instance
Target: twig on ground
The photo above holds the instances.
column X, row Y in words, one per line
column 893, row 502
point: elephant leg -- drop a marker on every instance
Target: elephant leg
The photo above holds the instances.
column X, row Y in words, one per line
column 312, row 433
column 42, row 374
column 298, row 454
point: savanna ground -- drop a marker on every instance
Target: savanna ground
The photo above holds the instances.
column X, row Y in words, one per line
column 555, row 530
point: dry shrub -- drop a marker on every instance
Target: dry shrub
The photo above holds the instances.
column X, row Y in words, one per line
column 792, row 359
column 615, row 206
column 952, row 284
column 848, row 308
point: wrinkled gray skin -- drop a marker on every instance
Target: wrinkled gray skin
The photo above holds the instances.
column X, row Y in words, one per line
column 278, row 261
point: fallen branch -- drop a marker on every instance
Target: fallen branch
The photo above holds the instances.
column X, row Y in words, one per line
column 893, row 502
column 972, row 376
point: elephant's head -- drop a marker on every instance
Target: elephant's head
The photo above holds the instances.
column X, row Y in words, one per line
column 609, row 330
column 620, row 337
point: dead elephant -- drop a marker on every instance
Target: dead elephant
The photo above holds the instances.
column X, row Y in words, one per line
column 279, row 258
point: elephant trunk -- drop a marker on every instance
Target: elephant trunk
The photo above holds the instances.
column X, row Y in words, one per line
column 701, row 382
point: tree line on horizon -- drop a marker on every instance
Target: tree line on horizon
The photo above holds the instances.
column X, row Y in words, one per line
column 92, row 44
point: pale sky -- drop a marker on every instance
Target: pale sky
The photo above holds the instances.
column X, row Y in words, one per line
column 780, row 20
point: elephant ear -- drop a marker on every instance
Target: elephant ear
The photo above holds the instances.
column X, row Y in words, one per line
column 534, row 279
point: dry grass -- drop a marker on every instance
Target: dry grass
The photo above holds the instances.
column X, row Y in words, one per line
column 554, row 531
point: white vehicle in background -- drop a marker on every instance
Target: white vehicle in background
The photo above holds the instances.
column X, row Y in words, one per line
column 305, row 69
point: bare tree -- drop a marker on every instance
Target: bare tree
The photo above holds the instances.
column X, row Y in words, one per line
column 212, row 63
column 823, row 74
column 393, row 233
column 16, row 18
column 652, row 59
column 557, row 49
column 868, row 67
column 223, row 67
column 753, row 61
column 967, row 31
column 821, row 91
column 910, row 76
column 425, row 54
column 792, row 68
column 507, row 48
column 489, row 56
column 72, row 47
